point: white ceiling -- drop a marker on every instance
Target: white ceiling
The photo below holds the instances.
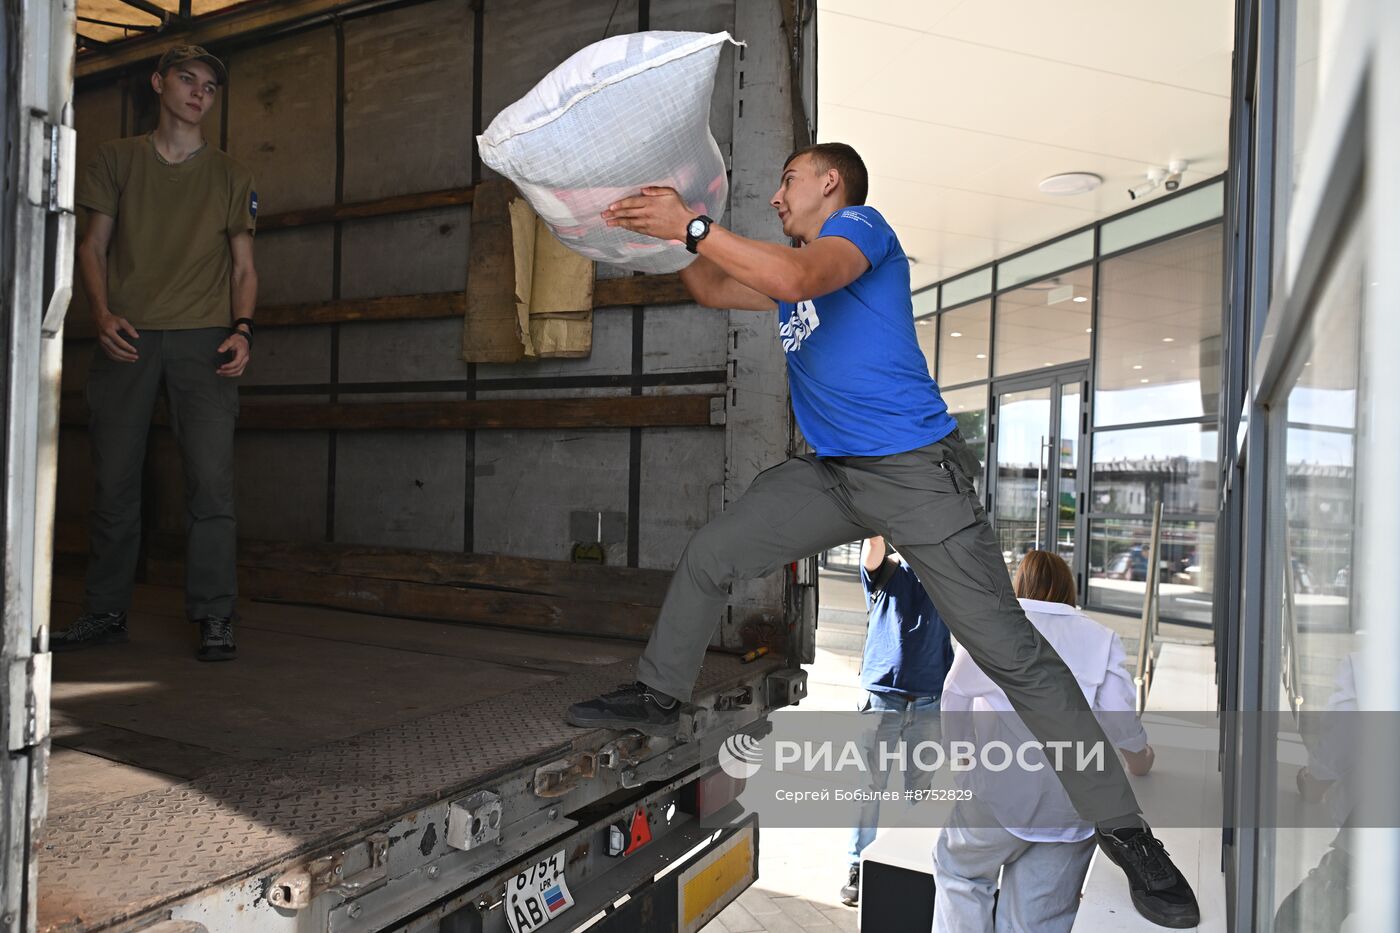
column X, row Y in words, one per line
column 961, row 107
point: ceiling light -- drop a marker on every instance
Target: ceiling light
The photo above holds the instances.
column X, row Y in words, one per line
column 1080, row 299
column 956, row 333
column 1168, row 339
column 1047, row 364
column 1070, row 183
column 1137, row 366
column 1088, row 330
column 1142, row 380
column 981, row 356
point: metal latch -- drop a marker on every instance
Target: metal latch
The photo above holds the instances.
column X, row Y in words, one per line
column 734, row 699
column 348, row 873
column 28, row 696
column 559, row 777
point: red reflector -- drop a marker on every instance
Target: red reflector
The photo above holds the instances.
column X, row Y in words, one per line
column 641, row 831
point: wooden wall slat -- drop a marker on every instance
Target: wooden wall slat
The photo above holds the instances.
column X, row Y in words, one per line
column 480, row 414
column 397, row 204
column 633, row 290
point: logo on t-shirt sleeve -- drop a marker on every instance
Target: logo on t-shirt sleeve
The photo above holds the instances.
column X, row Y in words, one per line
column 253, row 205
column 799, row 326
column 857, row 215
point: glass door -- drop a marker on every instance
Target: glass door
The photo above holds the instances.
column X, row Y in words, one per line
column 1036, row 496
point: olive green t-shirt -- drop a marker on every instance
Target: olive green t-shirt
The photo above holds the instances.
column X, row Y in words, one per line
column 169, row 263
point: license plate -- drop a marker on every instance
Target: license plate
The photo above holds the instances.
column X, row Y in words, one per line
column 537, row 895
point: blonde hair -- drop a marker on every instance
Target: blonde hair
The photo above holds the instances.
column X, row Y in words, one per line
column 1046, row 577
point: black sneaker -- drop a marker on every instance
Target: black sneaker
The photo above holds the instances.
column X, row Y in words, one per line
column 1159, row 891
column 850, row 894
column 216, row 640
column 1322, row 901
column 631, row 706
column 91, row 629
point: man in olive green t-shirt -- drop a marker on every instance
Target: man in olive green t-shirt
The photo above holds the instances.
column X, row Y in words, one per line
column 167, row 263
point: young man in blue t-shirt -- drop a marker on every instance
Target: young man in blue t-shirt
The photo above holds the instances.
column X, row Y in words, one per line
column 888, row 459
column 907, row 655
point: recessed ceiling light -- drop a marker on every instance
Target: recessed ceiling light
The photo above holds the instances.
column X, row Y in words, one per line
column 1070, row 183
column 1168, row 339
column 981, row 356
column 1137, row 366
column 956, row 333
column 1088, row 330
column 1047, row 364
column 1080, row 299
column 1142, row 380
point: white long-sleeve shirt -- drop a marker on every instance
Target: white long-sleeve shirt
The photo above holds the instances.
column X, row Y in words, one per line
column 1033, row 805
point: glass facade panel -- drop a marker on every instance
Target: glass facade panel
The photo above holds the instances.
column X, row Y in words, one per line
column 926, row 330
column 1067, row 506
column 1118, row 567
column 1194, row 207
column 964, row 344
column 1159, row 332
column 1058, row 255
column 925, row 302
column 1044, row 324
column 969, row 406
column 1021, row 517
column 1317, row 644
column 973, row 285
column 1133, row 468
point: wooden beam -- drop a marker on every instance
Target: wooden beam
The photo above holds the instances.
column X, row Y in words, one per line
column 449, row 603
column 633, row 290
column 398, row 204
column 640, row 290
column 490, row 589
column 449, row 568
column 210, row 30
column 430, row 306
column 642, row 411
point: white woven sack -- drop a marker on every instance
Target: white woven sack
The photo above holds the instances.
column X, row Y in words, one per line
column 630, row 111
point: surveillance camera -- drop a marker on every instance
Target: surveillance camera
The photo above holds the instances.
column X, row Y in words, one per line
column 1174, row 170
column 1155, row 178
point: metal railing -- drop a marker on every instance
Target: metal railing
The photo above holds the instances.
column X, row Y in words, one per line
column 1147, row 633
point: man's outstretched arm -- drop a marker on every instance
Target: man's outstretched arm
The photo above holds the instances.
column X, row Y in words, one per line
column 768, row 270
column 712, row 287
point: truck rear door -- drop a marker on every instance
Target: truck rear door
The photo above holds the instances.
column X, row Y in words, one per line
column 36, row 253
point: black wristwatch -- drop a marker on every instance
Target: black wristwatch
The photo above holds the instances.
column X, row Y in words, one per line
column 697, row 230
column 248, row 335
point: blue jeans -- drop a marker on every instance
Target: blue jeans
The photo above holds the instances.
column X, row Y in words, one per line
column 900, row 720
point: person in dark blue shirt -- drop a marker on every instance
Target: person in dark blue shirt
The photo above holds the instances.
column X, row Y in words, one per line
column 908, row 651
column 887, row 459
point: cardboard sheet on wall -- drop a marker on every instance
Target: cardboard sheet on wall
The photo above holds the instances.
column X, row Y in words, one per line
column 528, row 295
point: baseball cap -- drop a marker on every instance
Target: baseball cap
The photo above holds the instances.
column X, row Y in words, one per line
column 178, row 55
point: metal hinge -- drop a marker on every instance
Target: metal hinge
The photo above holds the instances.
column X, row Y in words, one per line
column 49, row 175
column 52, row 151
column 28, row 698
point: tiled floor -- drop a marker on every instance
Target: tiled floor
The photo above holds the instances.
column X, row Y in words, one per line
column 801, row 870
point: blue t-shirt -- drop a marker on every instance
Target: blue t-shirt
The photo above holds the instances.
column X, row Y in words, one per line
column 907, row 647
column 860, row 385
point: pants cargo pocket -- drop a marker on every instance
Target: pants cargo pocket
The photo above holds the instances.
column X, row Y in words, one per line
column 934, row 521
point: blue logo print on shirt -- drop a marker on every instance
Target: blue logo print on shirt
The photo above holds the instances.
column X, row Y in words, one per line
column 799, row 326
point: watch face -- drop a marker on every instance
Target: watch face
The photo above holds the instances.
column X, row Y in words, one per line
column 696, row 227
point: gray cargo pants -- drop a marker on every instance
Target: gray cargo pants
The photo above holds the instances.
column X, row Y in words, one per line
column 203, row 409
column 924, row 502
